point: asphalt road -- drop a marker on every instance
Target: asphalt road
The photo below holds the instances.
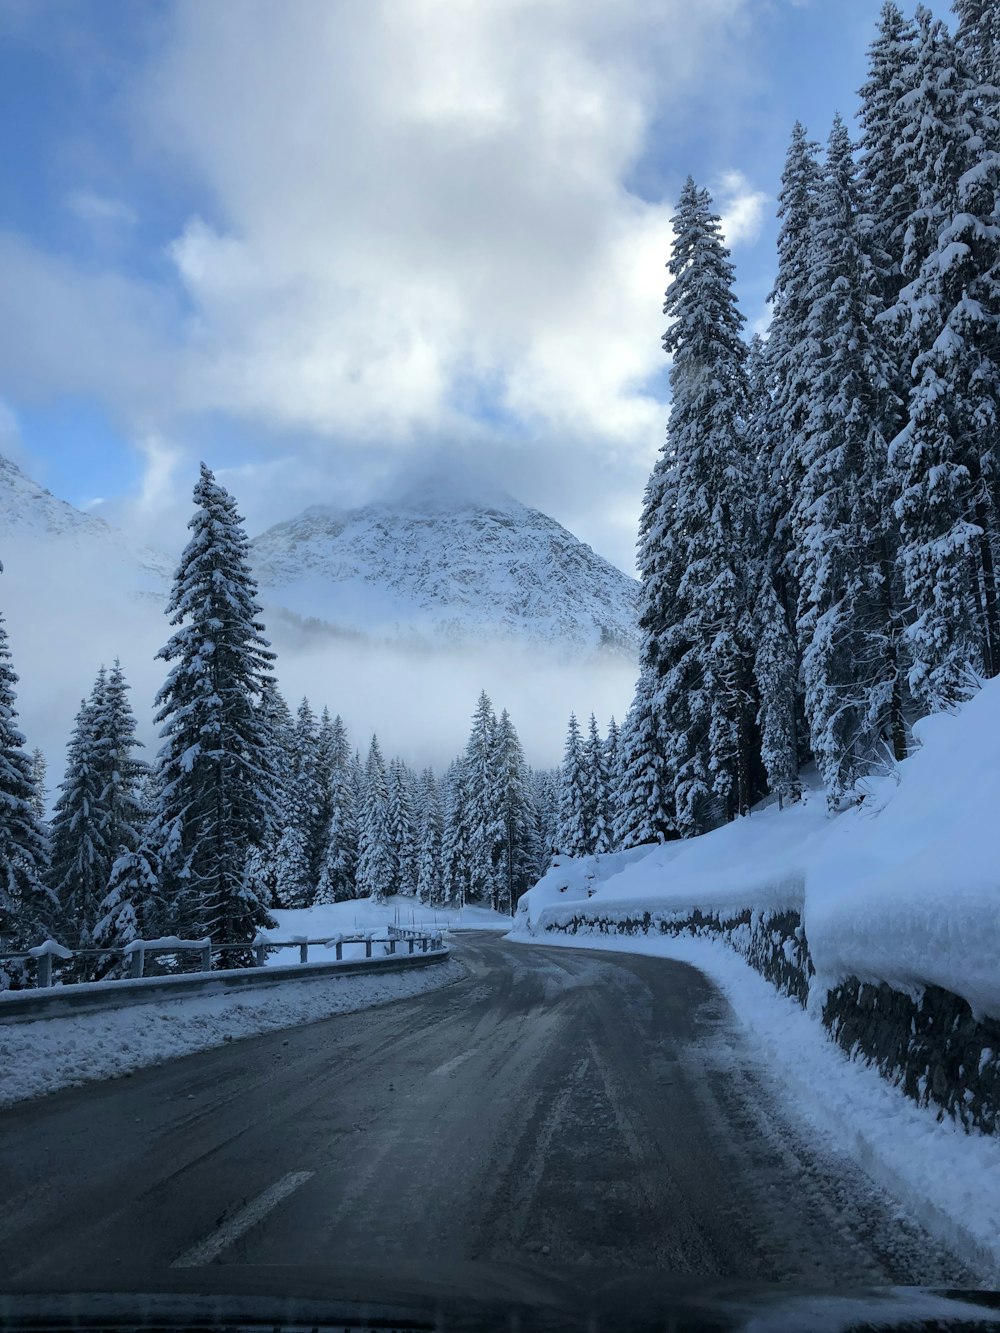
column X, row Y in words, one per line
column 556, row 1107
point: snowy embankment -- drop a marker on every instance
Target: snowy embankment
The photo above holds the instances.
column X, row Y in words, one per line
column 362, row 916
column 42, row 1056
column 904, row 889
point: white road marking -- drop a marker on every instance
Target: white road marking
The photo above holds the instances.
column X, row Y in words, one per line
column 449, row 1065
column 240, row 1223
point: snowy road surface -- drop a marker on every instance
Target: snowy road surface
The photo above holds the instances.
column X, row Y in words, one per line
column 556, row 1107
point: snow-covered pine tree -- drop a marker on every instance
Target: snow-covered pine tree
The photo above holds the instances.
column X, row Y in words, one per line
column 517, row 856
column 216, row 763
column 481, row 807
column 292, row 885
column 943, row 458
column 886, row 172
column 456, row 838
column 843, row 531
column 612, row 765
column 775, row 664
column 375, row 868
column 573, row 832
column 131, row 887
column 28, row 910
column 311, row 810
column 82, row 855
column 430, row 884
column 545, row 798
column 336, row 881
column 699, row 531
column 597, row 791
column 401, row 828
column 978, row 38
column 331, row 750
column 39, row 769
column 778, row 377
column 131, row 907
column 643, row 801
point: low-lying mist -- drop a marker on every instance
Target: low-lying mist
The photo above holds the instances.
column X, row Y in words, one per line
column 70, row 610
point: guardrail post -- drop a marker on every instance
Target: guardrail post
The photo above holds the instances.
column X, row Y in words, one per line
column 423, row 944
column 340, row 951
column 303, row 953
column 368, row 947
column 410, row 943
column 138, row 962
column 392, row 946
column 44, row 973
column 261, row 952
column 206, row 957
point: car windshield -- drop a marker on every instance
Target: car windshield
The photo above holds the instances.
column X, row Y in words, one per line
column 499, row 522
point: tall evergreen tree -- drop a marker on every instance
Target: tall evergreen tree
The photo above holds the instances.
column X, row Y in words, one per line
column 951, row 306
column 573, row 831
column 101, row 816
column 310, row 805
column 517, row 853
column 217, row 775
column 28, row 910
column 375, row 868
column 844, row 538
column 82, row 856
column 781, row 400
column 481, row 806
column 597, row 792
column 39, row 769
column 978, row 38
column 336, row 882
column 430, row 883
column 645, row 797
column 456, row 837
column 401, row 830
column 545, row 798
column 695, row 530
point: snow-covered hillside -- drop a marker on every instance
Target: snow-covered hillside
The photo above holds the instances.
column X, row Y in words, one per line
column 903, row 889
column 32, row 517
column 432, row 568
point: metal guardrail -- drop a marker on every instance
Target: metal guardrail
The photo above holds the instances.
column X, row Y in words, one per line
column 136, row 951
column 90, row 997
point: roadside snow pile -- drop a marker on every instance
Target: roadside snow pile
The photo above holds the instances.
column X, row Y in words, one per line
column 358, row 916
column 903, row 889
column 42, row 1056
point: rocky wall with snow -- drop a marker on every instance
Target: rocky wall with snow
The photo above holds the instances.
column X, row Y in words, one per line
column 930, row 1044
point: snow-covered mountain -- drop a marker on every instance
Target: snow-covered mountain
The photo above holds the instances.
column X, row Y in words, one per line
column 31, row 516
column 433, row 568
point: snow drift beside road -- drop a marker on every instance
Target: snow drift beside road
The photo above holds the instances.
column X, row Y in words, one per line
column 357, row 916
column 903, row 889
column 47, row 1054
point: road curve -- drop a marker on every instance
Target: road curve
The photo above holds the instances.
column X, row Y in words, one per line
column 556, row 1107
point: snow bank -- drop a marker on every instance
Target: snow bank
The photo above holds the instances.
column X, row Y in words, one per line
column 903, row 889
column 52, row 1053
column 359, row 915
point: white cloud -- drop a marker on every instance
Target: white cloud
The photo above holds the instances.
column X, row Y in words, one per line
column 99, row 210
column 743, row 209
column 417, row 230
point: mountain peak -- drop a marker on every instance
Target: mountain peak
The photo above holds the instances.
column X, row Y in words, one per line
column 446, row 562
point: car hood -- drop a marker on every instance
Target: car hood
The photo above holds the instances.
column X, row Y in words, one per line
column 465, row 1296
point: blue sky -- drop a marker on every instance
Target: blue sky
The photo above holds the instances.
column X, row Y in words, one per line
column 327, row 245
